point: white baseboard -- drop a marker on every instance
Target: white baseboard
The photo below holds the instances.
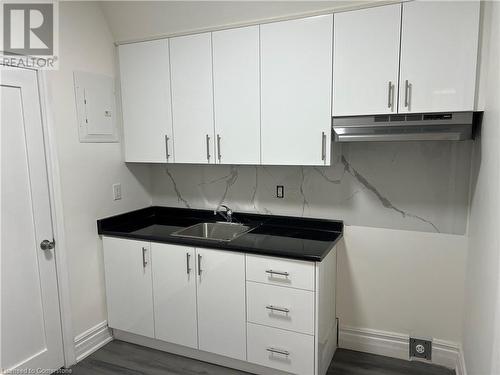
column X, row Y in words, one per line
column 461, row 369
column 91, row 340
column 396, row 345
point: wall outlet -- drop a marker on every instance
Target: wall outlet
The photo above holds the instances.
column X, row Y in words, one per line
column 420, row 348
column 117, row 191
column 280, row 191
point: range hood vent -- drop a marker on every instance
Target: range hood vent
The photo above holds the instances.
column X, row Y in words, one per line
column 449, row 126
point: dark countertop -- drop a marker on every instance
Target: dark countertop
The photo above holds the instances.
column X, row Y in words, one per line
column 281, row 236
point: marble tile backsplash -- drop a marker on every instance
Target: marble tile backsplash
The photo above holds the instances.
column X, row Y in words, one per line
column 422, row 186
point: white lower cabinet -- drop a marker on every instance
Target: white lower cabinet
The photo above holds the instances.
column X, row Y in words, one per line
column 234, row 309
column 280, row 307
column 129, row 289
column 283, row 350
column 174, row 293
column 292, row 273
column 221, row 302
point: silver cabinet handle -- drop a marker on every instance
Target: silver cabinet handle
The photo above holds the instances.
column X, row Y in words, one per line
column 278, row 351
column 219, row 156
column 208, row 147
column 389, row 99
column 281, row 273
column 144, row 261
column 166, row 147
column 199, row 264
column 188, row 269
column 276, row 308
column 46, row 245
column 407, row 94
column 323, row 146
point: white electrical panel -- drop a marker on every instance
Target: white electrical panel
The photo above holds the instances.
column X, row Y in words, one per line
column 96, row 107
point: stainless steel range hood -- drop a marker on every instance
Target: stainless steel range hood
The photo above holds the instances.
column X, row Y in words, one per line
column 449, row 126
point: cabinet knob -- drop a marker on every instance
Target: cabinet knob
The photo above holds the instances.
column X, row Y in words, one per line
column 208, row 147
column 166, row 146
column 390, row 95
column 188, row 269
column 323, row 146
column 199, row 265
column 219, row 155
column 144, row 261
column 278, row 351
column 281, row 273
column 276, row 308
column 407, row 94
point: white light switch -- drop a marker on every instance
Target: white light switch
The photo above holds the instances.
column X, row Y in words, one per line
column 117, row 191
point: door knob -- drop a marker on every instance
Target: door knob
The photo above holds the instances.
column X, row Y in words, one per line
column 47, row 245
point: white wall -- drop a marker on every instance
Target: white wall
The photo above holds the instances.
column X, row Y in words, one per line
column 401, row 281
column 133, row 20
column 88, row 169
column 482, row 311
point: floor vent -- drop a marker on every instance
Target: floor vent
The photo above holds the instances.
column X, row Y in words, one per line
column 420, row 348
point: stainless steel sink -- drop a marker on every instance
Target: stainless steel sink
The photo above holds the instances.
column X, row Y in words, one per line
column 219, row 231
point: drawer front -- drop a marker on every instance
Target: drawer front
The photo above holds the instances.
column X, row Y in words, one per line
column 278, row 271
column 283, row 350
column 279, row 307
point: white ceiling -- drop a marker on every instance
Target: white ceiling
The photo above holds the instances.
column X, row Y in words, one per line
column 136, row 20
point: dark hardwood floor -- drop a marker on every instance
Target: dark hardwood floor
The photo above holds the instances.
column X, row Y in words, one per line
column 348, row 362
column 121, row 358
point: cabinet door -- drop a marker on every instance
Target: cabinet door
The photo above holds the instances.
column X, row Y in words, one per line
column 438, row 56
column 192, row 98
column 129, row 294
column 174, row 291
column 237, row 95
column 366, row 61
column 296, row 91
column 146, row 104
column 221, row 302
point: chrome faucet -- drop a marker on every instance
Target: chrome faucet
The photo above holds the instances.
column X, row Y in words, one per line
column 228, row 215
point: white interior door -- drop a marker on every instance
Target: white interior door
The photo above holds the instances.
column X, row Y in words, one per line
column 221, row 302
column 31, row 322
column 237, row 95
column 439, row 41
column 366, row 61
column 174, row 294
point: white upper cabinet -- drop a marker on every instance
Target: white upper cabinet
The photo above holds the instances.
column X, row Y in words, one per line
column 366, row 61
column 146, row 105
column 221, row 302
column 174, row 292
column 237, row 95
column 438, row 56
column 296, row 90
column 263, row 94
column 192, row 98
column 129, row 294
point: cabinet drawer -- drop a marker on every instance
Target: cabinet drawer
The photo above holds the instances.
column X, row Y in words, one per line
column 278, row 271
column 283, row 350
column 279, row 307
